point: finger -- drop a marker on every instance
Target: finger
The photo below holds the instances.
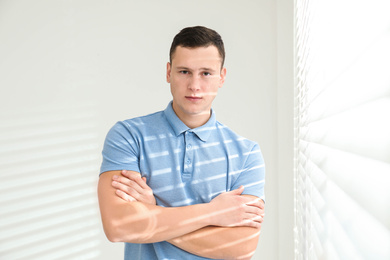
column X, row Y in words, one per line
column 127, row 182
column 143, row 184
column 130, row 190
column 254, row 210
column 133, row 193
column 124, row 196
column 237, row 191
column 254, row 217
column 250, row 223
column 130, row 174
column 256, row 202
column 136, row 177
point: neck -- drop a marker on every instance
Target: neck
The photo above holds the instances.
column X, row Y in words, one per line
column 192, row 120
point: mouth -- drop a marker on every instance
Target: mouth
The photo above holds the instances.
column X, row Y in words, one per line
column 193, row 98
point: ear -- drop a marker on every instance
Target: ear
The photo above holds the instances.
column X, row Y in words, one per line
column 222, row 76
column 168, row 72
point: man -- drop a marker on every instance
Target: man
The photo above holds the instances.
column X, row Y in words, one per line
column 191, row 188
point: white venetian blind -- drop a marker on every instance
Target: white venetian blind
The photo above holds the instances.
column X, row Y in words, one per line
column 342, row 129
column 48, row 165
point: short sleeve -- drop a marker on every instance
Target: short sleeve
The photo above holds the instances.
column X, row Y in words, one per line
column 252, row 176
column 120, row 150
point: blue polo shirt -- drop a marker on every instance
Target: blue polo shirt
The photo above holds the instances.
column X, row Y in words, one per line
column 183, row 166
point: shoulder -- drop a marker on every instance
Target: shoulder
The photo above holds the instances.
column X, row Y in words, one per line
column 143, row 120
column 139, row 123
column 132, row 132
column 230, row 136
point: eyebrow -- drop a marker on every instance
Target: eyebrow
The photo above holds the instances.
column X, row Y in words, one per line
column 185, row 68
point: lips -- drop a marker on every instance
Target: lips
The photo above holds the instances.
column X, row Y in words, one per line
column 193, row 98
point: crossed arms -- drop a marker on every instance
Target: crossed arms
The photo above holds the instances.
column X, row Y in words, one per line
column 228, row 227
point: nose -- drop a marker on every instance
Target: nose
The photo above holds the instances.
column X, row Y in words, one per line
column 194, row 83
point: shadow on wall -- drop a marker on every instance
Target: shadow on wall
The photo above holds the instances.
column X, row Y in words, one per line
column 49, row 160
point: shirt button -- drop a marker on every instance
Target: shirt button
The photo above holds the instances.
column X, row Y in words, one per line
column 188, row 161
column 189, row 146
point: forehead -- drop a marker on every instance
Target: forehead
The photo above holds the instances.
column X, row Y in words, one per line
column 203, row 56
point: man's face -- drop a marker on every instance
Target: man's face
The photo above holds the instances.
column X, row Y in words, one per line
column 195, row 76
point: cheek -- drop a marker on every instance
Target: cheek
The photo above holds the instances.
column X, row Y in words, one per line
column 212, row 86
column 178, row 84
column 175, row 89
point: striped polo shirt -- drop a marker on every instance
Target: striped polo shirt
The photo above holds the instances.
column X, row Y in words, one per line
column 183, row 166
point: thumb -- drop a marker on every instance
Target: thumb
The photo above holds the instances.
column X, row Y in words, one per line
column 238, row 191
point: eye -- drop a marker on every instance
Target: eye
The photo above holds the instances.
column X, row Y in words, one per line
column 185, row 72
column 206, row 74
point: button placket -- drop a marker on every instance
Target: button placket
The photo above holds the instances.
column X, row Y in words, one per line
column 188, row 156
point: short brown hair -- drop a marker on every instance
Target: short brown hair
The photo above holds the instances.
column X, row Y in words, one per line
column 198, row 36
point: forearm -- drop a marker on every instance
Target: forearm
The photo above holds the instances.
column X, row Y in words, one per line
column 142, row 223
column 220, row 242
column 137, row 222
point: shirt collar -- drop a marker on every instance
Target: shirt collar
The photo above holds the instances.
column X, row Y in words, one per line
column 203, row 132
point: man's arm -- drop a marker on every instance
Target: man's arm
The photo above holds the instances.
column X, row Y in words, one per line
column 221, row 242
column 139, row 222
column 210, row 241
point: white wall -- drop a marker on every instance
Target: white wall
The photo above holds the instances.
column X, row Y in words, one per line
column 71, row 69
column 285, row 124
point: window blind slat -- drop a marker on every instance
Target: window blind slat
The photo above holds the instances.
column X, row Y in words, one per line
column 363, row 130
column 355, row 175
column 331, row 99
column 351, row 212
column 370, row 237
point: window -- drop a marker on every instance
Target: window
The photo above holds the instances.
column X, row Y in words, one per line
column 342, row 129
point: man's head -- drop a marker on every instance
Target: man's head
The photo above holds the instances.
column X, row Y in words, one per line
column 198, row 36
column 195, row 73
